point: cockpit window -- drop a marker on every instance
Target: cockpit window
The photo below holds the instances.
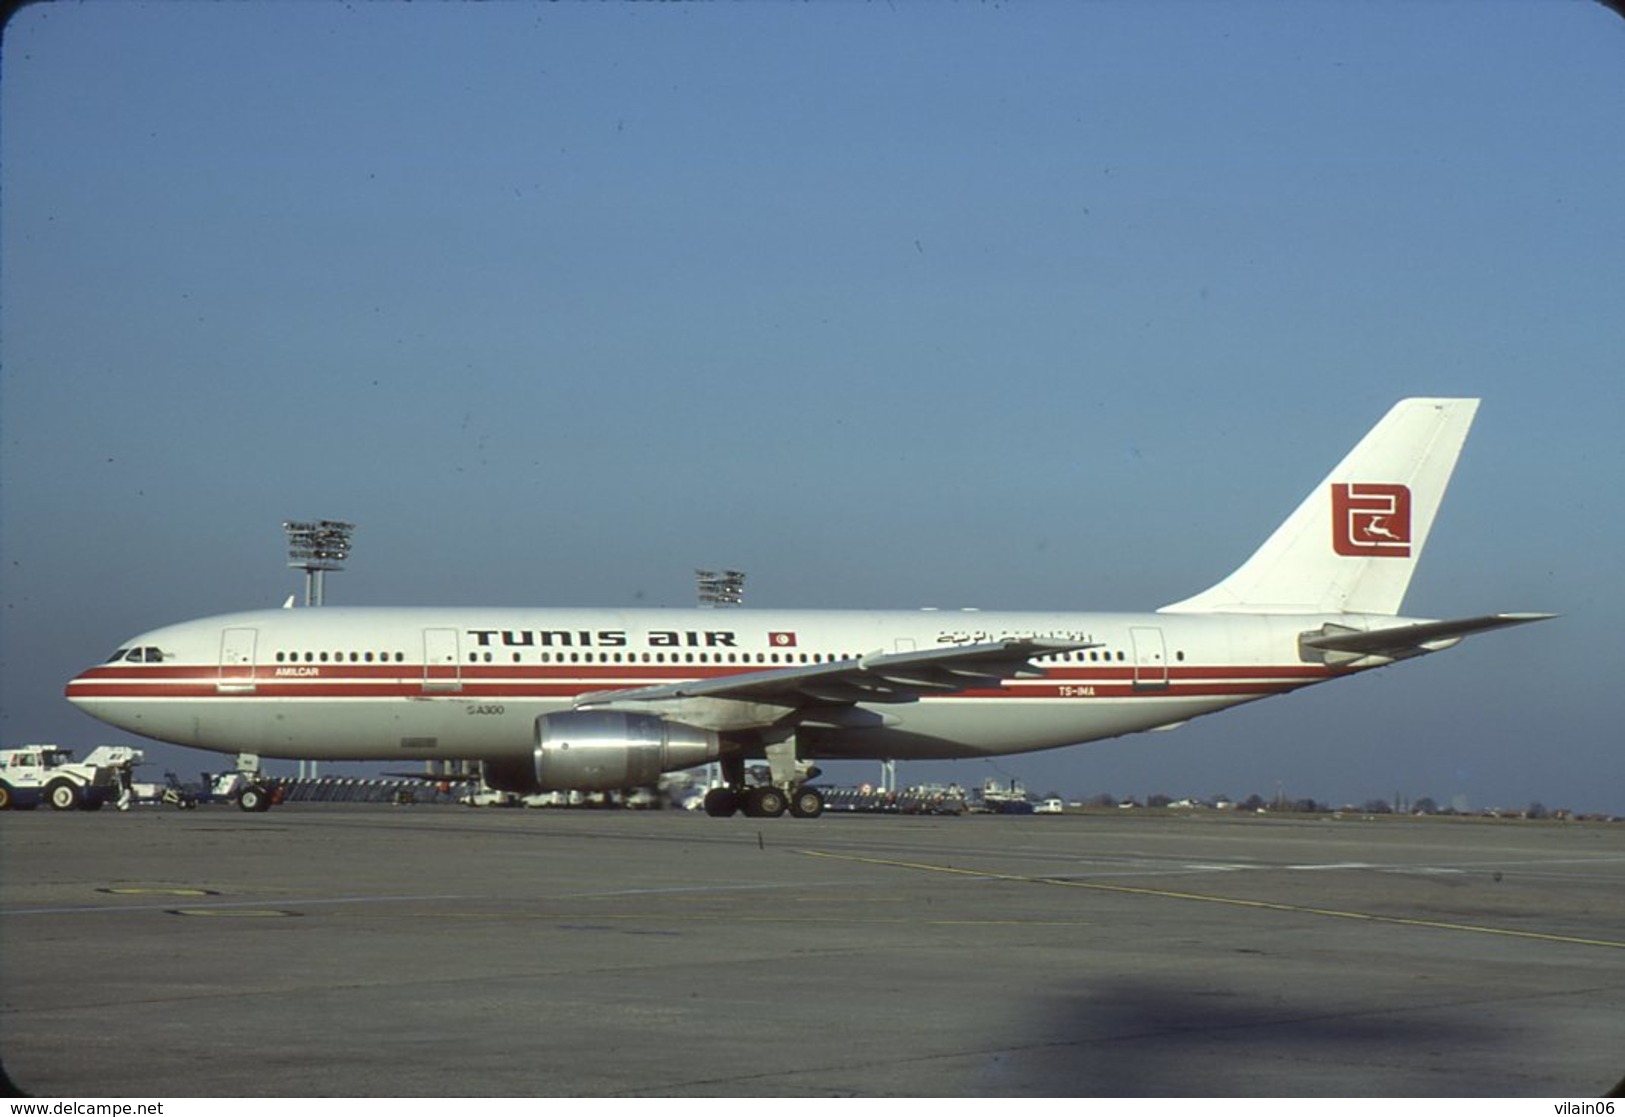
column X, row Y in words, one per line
column 137, row 655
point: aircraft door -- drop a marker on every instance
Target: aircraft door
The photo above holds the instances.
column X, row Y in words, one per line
column 1150, row 658
column 442, row 670
column 237, row 661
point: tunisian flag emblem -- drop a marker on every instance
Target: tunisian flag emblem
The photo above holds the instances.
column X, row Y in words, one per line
column 782, row 639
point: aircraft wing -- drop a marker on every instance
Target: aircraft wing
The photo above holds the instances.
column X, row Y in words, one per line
column 1343, row 645
column 888, row 677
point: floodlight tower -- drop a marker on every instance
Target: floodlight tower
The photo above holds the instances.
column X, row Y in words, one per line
column 317, row 546
column 720, row 589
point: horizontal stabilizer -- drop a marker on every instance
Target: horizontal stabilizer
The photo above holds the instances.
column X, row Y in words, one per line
column 1338, row 645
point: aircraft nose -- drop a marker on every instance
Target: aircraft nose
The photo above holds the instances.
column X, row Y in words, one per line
column 89, row 690
column 78, row 688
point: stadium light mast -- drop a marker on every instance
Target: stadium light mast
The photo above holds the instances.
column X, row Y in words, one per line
column 720, row 589
column 316, row 547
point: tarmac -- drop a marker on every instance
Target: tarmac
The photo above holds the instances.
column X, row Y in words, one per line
column 355, row 951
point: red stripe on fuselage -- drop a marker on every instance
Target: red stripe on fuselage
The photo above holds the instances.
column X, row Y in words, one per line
column 563, row 681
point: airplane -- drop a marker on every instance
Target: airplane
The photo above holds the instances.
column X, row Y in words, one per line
column 595, row 700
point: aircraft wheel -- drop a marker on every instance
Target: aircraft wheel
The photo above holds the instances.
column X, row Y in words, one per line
column 5, row 796
column 721, row 802
column 254, row 798
column 63, row 796
column 764, row 802
column 807, row 802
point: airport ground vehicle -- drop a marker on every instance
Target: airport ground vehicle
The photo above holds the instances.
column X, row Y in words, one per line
column 32, row 774
column 177, row 794
column 249, row 790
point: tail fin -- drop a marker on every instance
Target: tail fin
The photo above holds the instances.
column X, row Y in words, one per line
column 1352, row 545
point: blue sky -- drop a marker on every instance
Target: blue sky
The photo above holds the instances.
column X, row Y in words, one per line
column 1028, row 306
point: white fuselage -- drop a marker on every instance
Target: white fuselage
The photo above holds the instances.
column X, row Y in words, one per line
column 393, row 684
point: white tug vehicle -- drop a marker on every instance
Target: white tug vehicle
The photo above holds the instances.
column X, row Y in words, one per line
column 31, row 774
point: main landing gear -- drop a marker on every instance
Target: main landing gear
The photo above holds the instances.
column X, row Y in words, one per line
column 763, row 802
column 788, row 791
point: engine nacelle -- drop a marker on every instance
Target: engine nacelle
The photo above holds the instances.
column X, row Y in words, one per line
column 602, row 750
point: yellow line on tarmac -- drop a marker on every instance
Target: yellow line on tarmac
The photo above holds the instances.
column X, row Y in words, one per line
column 1267, row 905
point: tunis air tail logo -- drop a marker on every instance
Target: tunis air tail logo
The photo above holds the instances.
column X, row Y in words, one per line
column 1371, row 521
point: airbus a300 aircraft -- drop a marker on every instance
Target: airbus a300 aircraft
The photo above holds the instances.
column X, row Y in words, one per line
column 555, row 699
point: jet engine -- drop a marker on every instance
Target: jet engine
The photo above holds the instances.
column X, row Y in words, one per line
column 601, row 750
